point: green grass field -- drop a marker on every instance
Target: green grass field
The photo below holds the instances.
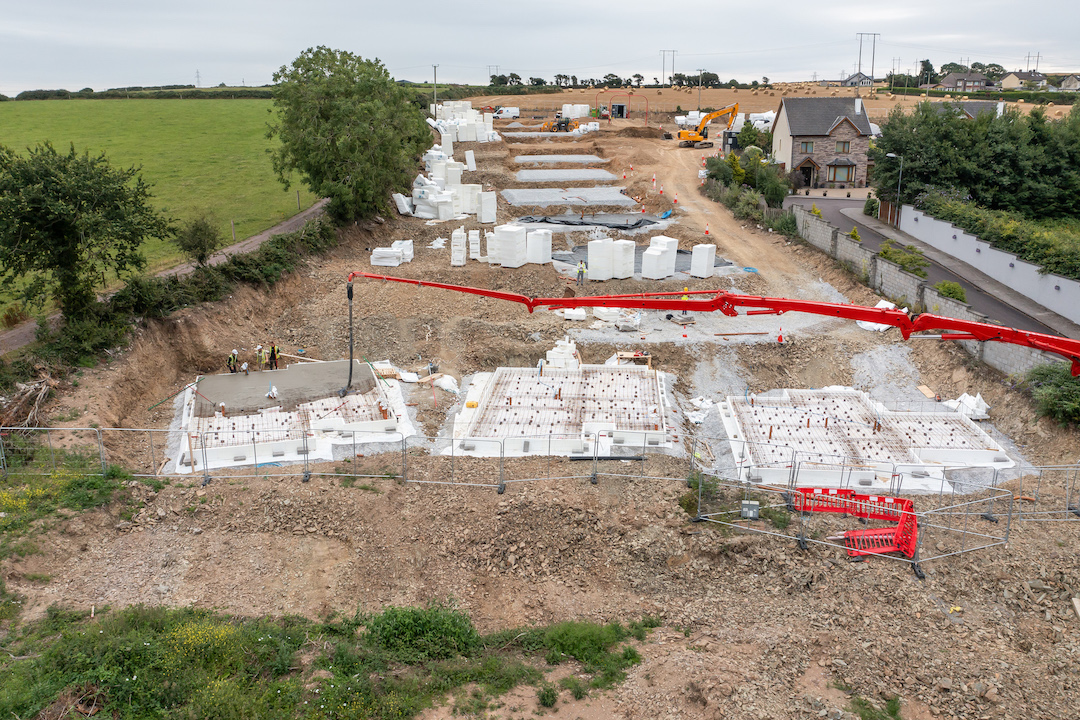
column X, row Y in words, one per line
column 199, row 155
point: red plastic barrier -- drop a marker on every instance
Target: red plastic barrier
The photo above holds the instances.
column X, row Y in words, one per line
column 903, row 538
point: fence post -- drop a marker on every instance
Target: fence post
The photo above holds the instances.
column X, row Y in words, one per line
column 404, row 454
column 595, row 456
column 3, row 456
column 502, row 454
column 205, row 460
column 101, row 451
column 52, row 453
column 153, row 455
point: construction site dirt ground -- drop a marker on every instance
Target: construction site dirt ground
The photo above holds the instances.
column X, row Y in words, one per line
column 753, row 627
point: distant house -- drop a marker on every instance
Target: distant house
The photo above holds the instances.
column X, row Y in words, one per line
column 1023, row 80
column 971, row 108
column 1071, row 83
column 825, row 140
column 857, row 80
column 965, row 82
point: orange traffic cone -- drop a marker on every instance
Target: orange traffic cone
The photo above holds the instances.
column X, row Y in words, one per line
column 780, row 336
column 676, row 198
column 702, row 161
column 642, row 209
column 661, row 189
column 631, row 168
column 623, row 174
column 706, row 228
column 684, row 331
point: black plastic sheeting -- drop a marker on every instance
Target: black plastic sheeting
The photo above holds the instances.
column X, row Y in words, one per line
column 588, row 221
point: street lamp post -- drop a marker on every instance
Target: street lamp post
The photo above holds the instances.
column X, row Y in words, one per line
column 898, row 180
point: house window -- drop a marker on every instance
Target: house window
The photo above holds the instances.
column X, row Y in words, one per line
column 806, row 147
column 843, row 146
column 841, row 173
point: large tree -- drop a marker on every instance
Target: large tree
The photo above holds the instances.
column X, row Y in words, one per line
column 352, row 133
column 69, row 222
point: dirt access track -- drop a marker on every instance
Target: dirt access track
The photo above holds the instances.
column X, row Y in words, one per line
column 753, row 626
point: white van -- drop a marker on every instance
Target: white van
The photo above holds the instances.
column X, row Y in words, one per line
column 507, row 112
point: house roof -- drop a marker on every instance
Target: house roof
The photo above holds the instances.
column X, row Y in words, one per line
column 953, row 78
column 1027, row 75
column 817, row 116
column 841, row 161
column 971, row 108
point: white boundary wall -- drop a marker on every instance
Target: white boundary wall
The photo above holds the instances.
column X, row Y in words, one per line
column 1057, row 293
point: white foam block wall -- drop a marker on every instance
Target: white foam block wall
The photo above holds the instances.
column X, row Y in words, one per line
column 471, row 197
column 487, row 207
column 513, row 245
column 492, row 243
column 601, row 259
column 470, row 160
column 652, row 264
column 622, row 265
column 538, row 248
column 474, row 244
column 702, row 261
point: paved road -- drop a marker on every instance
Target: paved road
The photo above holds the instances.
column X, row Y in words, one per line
column 979, row 300
column 25, row 333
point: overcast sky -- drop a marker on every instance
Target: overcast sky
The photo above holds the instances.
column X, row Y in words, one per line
column 73, row 44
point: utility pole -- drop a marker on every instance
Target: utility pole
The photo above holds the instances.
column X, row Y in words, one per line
column 198, row 80
column 664, row 53
column 700, row 72
column 435, row 88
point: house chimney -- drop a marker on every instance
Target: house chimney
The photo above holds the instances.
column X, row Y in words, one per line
column 858, row 106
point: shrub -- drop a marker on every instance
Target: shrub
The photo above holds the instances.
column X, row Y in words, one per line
column 737, row 172
column 814, row 210
column 909, row 258
column 719, row 170
column 1056, row 392
column 547, row 695
column 748, row 206
column 871, row 206
column 784, row 224
column 950, row 289
column 414, row 634
column 854, row 234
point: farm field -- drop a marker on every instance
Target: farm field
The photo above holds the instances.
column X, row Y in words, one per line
column 199, row 155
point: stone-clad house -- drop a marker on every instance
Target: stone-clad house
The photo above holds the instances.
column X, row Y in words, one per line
column 825, row 140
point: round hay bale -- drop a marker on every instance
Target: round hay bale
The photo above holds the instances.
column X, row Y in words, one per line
column 1020, row 101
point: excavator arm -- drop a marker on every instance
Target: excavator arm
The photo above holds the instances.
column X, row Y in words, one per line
column 729, row 303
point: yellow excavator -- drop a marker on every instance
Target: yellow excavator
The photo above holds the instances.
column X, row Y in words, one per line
column 699, row 137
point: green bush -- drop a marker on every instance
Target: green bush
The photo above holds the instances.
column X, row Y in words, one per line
column 784, row 224
column 748, row 206
column 909, row 258
column 1056, row 392
column 871, row 206
column 1053, row 245
column 415, row 634
column 950, row 289
column 719, row 170
column 854, row 234
column 547, row 695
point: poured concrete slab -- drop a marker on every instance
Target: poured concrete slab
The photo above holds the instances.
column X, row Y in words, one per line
column 296, row 384
column 573, row 196
column 571, row 175
column 553, row 159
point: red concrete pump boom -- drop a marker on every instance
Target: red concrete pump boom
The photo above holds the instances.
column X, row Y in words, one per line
column 726, row 302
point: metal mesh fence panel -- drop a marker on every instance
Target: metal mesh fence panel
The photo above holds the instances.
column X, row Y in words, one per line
column 1043, row 494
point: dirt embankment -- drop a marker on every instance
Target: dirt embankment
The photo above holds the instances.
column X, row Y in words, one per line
column 754, row 627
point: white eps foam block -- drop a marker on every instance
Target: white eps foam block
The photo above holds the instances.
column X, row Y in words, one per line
column 670, row 247
column 470, row 160
column 538, row 246
column 406, row 248
column 447, row 144
column 702, row 261
column 513, row 245
column 453, row 176
column 652, row 264
column 487, row 207
column 492, row 243
column 601, row 259
column 474, row 244
column 385, row 257
column 622, row 266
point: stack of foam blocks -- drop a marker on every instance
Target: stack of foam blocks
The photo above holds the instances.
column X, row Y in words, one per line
column 513, row 246
column 702, row 260
column 457, row 248
column 461, row 123
column 658, row 262
column 538, row 247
